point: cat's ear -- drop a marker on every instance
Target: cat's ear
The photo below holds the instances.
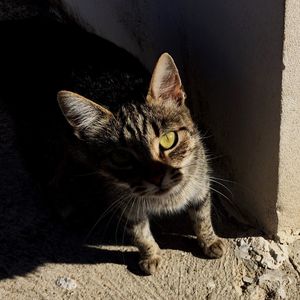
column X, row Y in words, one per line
column 85, row 116
column 166, row 83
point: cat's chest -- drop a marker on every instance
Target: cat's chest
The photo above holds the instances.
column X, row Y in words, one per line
column 191, row 193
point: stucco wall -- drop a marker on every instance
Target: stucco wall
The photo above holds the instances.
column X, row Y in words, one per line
column 230, row 56
column 288, row 206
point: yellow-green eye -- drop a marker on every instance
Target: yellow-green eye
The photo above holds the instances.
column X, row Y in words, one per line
column 168, row 140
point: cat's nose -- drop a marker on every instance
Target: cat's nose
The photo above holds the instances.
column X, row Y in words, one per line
column 156, row 179
column 156, row 172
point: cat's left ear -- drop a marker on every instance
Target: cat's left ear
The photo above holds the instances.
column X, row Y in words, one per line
column 166, row 83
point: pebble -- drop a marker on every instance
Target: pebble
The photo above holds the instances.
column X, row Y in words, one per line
column 66, row 283
column 211, row 285
column 247, row 279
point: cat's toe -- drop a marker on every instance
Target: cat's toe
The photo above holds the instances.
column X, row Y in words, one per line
column 151, row 264
column 215, row 250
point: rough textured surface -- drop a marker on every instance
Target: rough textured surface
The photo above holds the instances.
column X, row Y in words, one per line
column 288, row 206
column 182, row 276
column 20, row 9
column 266, row 254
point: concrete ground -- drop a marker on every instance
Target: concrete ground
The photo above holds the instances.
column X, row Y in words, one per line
column 107, row 274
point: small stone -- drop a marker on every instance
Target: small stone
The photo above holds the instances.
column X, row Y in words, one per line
column 258, row 258
column 281, row 292
column 211, row 285
column 66, row 283
column 247, row 279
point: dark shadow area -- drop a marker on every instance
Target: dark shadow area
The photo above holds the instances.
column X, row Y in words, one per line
column 39, row 58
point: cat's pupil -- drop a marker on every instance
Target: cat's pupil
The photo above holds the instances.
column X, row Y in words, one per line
column 168, row 140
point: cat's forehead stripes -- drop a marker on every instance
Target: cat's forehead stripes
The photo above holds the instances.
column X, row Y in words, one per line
column 155, row 127
column 138, row 123
column 133, row 122
column 141, row 123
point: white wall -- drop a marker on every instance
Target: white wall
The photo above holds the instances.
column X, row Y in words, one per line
column 288, row 205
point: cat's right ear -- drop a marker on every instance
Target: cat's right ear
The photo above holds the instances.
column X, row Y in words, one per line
column 86, row 117
column 165, row 83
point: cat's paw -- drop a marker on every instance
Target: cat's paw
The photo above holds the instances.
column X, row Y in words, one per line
column 150, row 264
column 215, row 250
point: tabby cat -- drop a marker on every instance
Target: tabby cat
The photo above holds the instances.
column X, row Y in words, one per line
column 149, row 156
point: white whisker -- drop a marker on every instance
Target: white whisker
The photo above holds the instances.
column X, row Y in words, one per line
column 223, row 185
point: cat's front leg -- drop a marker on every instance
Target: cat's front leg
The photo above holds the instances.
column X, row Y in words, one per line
column 149, row 250
column 200, row 213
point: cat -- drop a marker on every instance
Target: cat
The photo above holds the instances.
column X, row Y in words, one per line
column 149, row 157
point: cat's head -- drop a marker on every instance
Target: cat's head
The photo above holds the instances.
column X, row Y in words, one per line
column 149, row 148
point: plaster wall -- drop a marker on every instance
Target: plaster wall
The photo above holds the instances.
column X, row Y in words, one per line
column 288, row 206
column 229, row 54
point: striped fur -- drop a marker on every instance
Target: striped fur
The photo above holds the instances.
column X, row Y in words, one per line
column 147, row 179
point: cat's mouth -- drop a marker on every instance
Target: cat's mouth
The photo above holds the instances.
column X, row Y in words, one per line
column 156, row 191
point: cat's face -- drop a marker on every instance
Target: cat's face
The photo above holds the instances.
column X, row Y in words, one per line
column 154, row 148
column 146, row 148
